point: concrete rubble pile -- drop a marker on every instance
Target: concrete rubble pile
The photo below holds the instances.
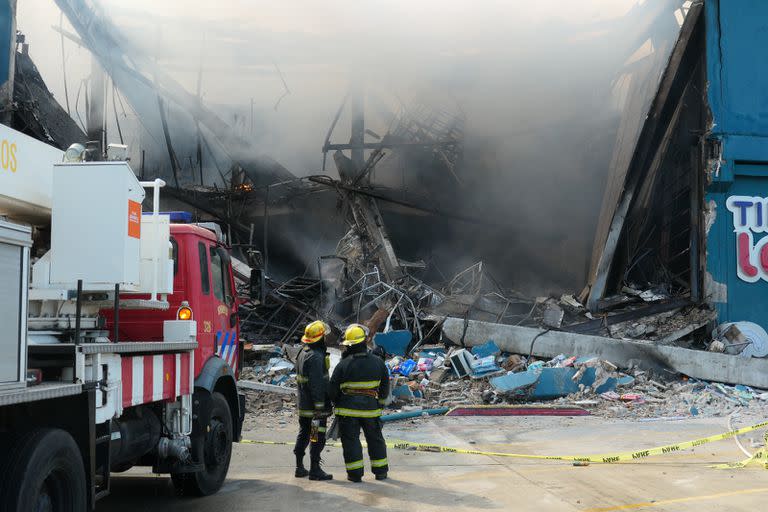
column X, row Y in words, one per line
column 434, row 369
column 438, row 379
column 267, row 365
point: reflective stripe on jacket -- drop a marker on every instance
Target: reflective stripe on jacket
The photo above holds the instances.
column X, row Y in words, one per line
column 359, row 383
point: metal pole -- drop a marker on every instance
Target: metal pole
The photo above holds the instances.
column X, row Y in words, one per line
column 357, row 138
column 78, row 309
column 266, row 229
column 115, row 336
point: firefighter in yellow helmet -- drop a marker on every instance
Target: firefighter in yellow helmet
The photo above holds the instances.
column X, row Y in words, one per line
column 312, row 366
column 359, row 385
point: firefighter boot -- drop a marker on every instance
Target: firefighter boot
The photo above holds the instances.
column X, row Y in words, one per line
column 316, row 472
column 301, row 471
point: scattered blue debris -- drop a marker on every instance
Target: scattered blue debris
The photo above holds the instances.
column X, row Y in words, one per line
column 612, row 382
column 405, row 368
column 484, row 366
column 516, row 383
column 557, row 382
column 547, row 383
column 414, row 414
column 402, row 392
column 488, row 348
column 394, row 342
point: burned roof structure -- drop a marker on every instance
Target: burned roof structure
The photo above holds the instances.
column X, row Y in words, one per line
column 649, row 229
column 35, row 111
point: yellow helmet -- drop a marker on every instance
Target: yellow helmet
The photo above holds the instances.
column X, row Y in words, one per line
column 355, row 334
column 315, row 331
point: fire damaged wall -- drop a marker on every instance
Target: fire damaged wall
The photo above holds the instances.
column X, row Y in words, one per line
column 661, row 241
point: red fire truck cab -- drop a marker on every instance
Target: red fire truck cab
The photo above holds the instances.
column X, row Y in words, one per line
column 204, row 291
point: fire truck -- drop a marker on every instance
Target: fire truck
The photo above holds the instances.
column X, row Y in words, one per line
column 119, row 343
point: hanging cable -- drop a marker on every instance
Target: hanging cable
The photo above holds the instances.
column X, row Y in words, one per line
column 120, row 99
column 533, row 341
column 64, row 62
column 77, row 109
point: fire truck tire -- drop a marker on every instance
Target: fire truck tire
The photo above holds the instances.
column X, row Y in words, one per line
column 214, row 449
column 44, row 472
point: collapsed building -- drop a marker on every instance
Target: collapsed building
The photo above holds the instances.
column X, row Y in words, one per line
column 677, row 260
column 676, row 256
column 673, row 298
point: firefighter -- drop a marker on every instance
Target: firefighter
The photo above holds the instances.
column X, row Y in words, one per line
column 312, row 366
column 358, row 388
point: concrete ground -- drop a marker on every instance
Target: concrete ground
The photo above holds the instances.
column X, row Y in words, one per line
column 261, row 476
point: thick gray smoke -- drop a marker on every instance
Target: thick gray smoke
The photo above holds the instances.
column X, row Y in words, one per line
column 542, row 86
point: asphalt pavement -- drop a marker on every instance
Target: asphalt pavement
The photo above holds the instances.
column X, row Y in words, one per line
column 261, row 476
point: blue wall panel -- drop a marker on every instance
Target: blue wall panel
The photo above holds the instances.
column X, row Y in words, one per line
column 737, row 53
column 737, row 75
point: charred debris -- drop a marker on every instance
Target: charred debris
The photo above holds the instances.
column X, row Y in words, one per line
column 365, row 281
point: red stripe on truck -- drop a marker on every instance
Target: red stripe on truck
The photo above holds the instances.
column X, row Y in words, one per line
column 126, row 372
column 147, row 396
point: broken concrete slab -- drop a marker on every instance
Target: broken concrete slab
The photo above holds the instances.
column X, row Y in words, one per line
column 685, row 331
column 516, row 410
column 438, row 375
column 261, row 386
column 704, row 365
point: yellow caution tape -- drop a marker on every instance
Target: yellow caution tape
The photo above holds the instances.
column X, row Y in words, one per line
column 760, row 457
column 609, row 458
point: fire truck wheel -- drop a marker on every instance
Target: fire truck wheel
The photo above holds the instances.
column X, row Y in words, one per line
column 214, row 450
column 44, row 472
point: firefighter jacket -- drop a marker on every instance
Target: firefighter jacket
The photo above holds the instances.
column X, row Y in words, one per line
column 312, row 366
column 360, row 384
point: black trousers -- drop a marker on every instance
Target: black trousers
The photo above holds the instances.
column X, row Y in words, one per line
column 302, row 440
column 349, row 432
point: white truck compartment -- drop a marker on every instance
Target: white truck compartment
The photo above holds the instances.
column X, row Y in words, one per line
column 96, row 226
column 15, row 241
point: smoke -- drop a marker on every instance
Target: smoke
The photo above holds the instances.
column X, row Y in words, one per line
column 542, row 88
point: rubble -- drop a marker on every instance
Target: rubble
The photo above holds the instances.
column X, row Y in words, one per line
column 426, row 383
column 432, row 369
column 429, row 331
column 671, row 359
